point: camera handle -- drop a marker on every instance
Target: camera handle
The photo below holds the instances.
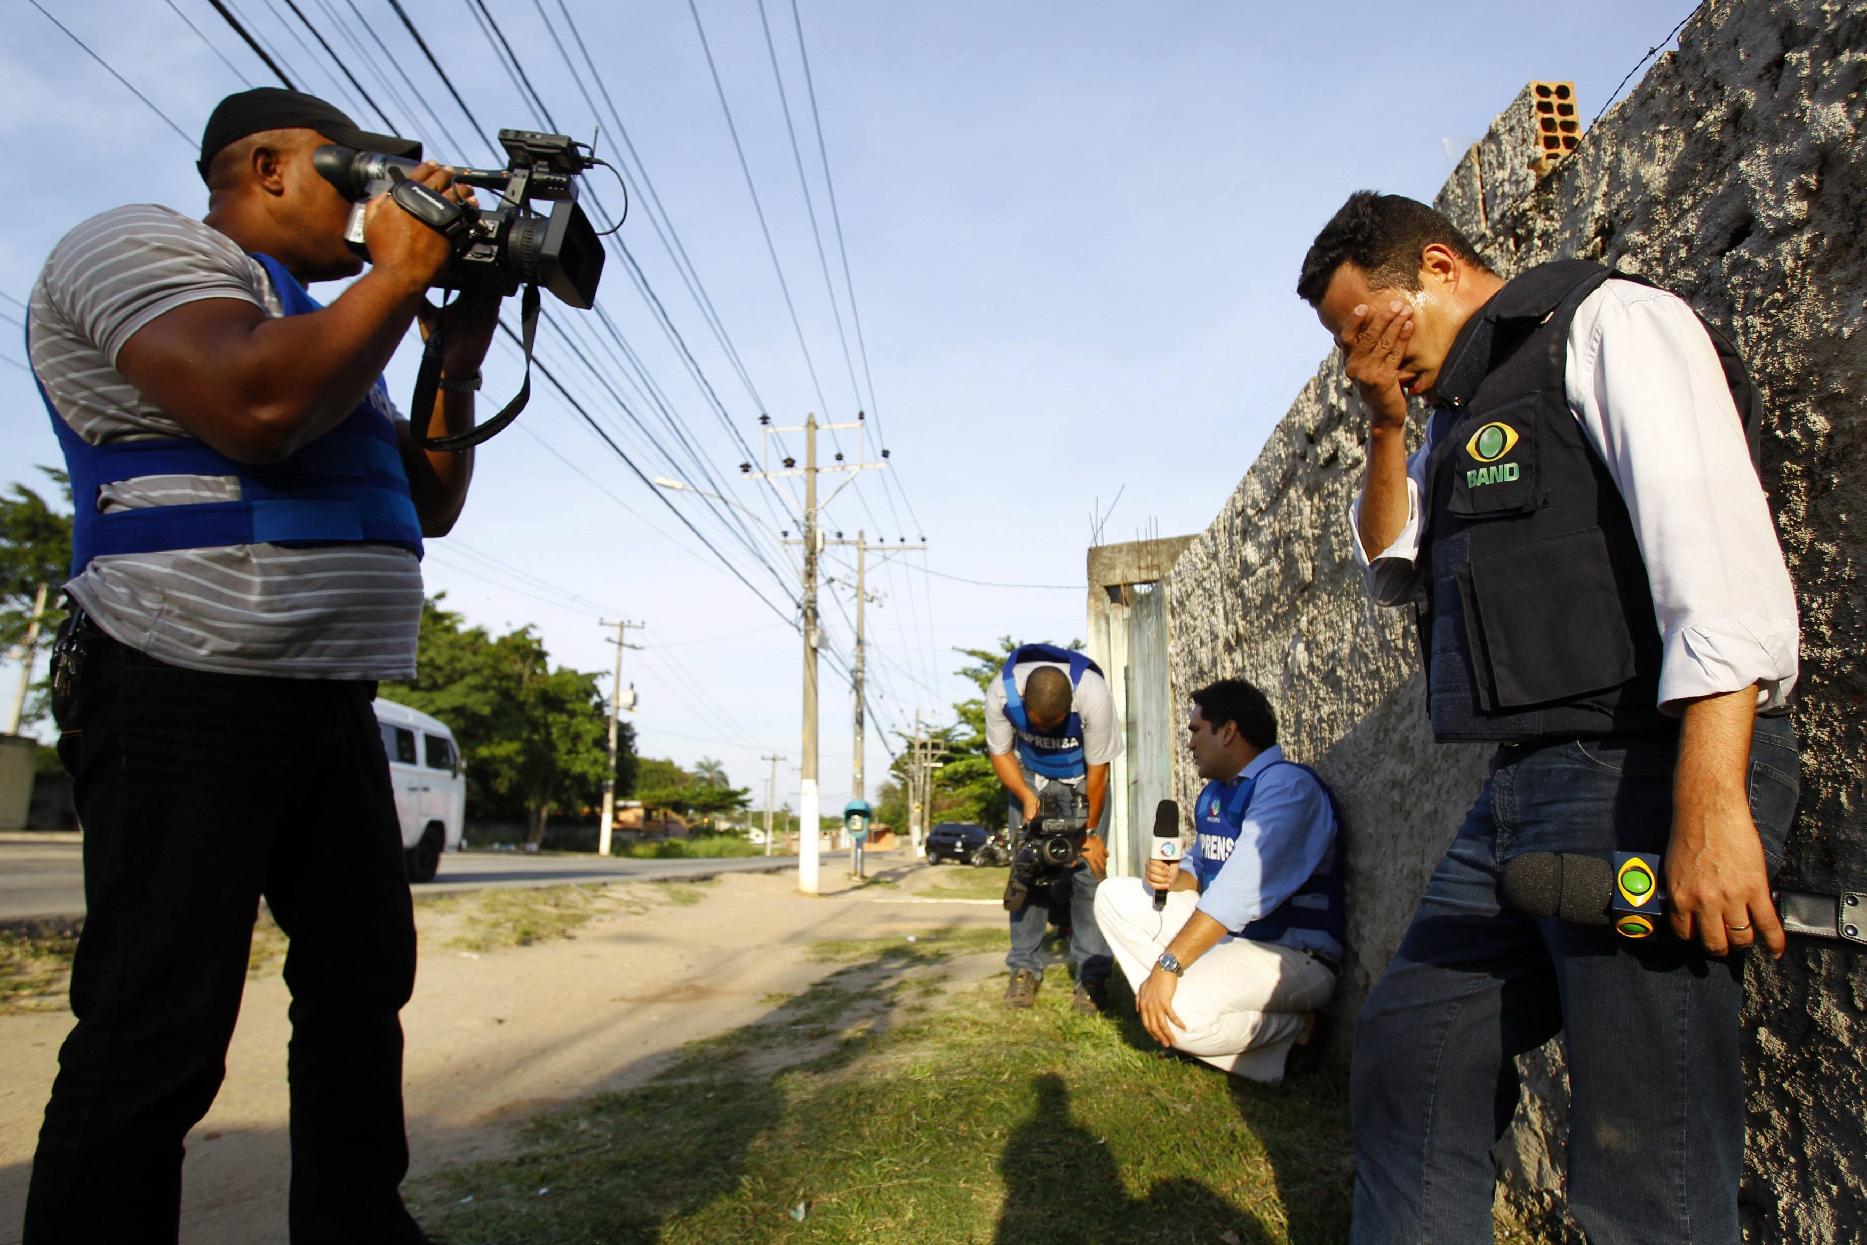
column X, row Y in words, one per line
column 428, row 383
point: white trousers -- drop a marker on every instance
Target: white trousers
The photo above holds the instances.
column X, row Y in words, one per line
column 1243, row 1002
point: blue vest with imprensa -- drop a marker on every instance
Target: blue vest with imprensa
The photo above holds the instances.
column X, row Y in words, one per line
column 346, row 487
column 1054, row 756
column 1319, row 904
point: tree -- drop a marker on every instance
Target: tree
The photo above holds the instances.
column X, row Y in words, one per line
column 35, row 549
column 534, row 739
column 703, row 793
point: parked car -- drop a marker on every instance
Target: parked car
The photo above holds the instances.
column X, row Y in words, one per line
column 966, row 843
column 430, row 785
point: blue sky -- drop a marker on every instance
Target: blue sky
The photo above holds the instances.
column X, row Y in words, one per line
column 1073, row 231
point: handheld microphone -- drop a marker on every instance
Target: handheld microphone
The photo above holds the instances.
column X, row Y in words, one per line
column 1589, row 890
column 1166, row 842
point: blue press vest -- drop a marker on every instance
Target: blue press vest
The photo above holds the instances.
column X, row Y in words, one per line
column 348, row 486
column 1319, row 904
column 1053, row 756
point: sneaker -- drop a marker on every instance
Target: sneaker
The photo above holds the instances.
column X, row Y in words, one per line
column 1090, row 999
column 1022, row 991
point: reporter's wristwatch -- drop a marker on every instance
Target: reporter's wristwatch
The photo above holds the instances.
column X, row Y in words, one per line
column 1169, row 961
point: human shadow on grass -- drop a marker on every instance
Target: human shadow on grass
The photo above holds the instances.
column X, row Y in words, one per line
column 621, row 1167
column 1062, row 1187
column 1302, row 1124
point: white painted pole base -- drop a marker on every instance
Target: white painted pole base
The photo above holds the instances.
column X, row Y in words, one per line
column 809, row 825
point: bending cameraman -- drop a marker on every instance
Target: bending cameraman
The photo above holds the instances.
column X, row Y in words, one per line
column 249, row 515
column 1049, row 718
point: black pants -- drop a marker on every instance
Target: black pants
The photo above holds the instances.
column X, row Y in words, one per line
column 199, row 793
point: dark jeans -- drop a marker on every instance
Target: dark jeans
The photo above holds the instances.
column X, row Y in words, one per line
column 1650, row 1029
column 199, row 793
column 1092, row 961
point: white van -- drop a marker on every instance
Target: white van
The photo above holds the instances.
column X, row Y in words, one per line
column 430, row 785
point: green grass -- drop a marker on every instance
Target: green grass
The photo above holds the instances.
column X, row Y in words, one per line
column 35, row 961
column 890, row 1103
column 35, row 965
column 966, row 882
column 494, row 920
column 693, row 847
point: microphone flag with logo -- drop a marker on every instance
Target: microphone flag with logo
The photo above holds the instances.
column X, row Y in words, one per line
column 1166, row 842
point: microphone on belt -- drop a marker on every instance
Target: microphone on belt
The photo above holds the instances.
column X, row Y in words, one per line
column 1627, row 893
column 1166, row 842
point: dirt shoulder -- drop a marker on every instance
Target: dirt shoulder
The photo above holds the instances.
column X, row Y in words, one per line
column 525, row 1001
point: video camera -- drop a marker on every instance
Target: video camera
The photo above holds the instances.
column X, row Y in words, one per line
column 1048, row 847
column 505, row 248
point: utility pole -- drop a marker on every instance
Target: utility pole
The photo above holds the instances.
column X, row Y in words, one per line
column 810, row 818
column 607, row 826
column 858, row 788
column 771, row 783
column 917, row 788
column 28, row 649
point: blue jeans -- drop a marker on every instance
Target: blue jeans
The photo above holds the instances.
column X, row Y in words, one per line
column 1650, row 1029
column 1089, row 950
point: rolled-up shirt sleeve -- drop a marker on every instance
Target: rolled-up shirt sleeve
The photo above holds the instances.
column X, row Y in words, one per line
column 1391, row 574
column 1287, row 829
column 1644, row 381
column 1102, row 741
column 999, row 737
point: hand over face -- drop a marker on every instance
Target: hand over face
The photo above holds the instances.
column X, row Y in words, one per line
column 1375, row 343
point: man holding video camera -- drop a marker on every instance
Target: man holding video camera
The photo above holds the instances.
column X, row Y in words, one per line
column 1601, row 596
column 249, row 515
column 1050, row 731
column 1233, row 948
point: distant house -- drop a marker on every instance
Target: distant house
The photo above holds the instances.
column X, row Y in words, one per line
column 633, row 817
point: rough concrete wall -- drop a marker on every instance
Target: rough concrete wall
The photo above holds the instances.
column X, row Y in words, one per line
column 1733, row 175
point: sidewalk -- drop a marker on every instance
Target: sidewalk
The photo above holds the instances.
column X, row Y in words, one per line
column 496, row 1037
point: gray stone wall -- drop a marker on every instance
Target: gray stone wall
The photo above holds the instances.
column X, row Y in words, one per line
column 1733, row 174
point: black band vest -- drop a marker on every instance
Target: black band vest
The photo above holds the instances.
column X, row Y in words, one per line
column 1537, row 621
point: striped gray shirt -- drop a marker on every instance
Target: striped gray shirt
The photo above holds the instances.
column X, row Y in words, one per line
column 335, row 612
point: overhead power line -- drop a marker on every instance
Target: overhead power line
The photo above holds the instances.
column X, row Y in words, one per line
column 147, row 102
column 989, row 583
column 759, row 208
column 340, row 62
column 239, row 28
column 188, row 22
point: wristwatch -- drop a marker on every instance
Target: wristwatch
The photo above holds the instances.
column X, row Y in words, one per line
column 464, row 384
column 1171, row 963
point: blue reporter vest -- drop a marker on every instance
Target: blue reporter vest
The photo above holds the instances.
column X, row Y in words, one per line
column 346, row 487
column 1320, row 904
column 1053, row 756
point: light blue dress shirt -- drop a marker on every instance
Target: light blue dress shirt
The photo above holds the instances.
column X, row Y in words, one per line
column 1287, row 830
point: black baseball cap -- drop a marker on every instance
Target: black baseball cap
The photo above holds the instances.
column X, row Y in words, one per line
column 274, row 108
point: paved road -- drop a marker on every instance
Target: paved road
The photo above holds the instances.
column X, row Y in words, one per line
column 43, row 877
